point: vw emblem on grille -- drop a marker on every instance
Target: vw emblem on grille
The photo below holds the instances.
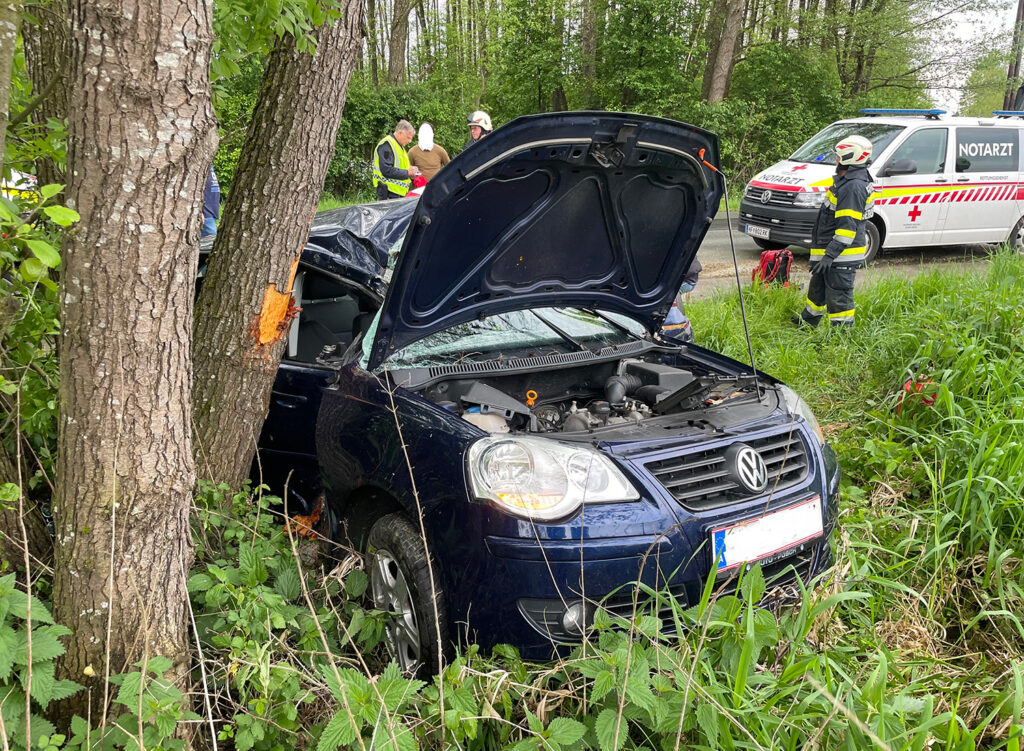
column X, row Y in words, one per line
column 766, row 196
column 746, row 467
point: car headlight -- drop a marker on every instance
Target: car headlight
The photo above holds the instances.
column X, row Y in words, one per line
column 809, row 199
column 795, row 405
column 541, row 479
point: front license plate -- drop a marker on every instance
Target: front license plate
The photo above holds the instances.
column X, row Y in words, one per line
column 768, row 537
column 754, row 231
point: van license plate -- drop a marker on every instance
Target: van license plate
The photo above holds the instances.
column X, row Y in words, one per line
column 755, row 231
column 768, row 537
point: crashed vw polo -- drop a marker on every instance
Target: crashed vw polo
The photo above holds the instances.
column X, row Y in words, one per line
column 511, row 390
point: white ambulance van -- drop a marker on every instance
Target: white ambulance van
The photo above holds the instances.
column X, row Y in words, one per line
column 938, row 181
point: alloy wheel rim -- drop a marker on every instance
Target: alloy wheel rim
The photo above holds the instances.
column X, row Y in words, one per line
column 391, row 592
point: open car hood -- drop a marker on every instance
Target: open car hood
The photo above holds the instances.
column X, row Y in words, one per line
column 582, row 209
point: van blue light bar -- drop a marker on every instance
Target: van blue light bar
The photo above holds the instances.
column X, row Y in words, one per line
column 1008, row 113
column 927, row 113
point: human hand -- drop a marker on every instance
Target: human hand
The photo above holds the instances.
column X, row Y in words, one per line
column 823, row 265
column 413, row 171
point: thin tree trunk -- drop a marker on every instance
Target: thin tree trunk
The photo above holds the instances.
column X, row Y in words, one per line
column 1013, row 71
column 725, row 54
column 141, row 136
column 714, row 36
column 245, row 307
column 589, row 41
column 371, row 41
column 46, row 58
column 10, row 19
column 397, row 41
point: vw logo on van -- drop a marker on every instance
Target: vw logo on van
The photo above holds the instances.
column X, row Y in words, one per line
column 766, row 196
column 746, row 467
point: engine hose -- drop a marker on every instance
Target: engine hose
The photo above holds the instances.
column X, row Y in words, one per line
column 618, row 387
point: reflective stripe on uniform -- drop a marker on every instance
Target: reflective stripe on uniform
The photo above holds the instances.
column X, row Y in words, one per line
column 847, row 255
column 850, row 213
column 831, row 197
column 813, row 310
column 843, row 315
column 398, row 187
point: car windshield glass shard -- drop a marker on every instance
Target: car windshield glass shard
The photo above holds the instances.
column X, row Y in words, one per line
column 819, row 150
column 520, row 333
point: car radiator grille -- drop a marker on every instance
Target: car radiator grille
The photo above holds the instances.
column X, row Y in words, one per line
column 775, row 222
column 700, row 481
column 778, row 197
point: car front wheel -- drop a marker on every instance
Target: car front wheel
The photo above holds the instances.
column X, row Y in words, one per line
column 400, row 584
column 872, row 241
column 1016, row 239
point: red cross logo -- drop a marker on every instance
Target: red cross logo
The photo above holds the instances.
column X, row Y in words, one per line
column 798, row 167
column 914, row 213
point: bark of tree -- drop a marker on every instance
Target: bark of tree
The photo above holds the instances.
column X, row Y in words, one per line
column 396, row 44
column 46, row 58
column 716, row 25
column 10, row 19
column 1013, row 71
column 371, row 41
column 141, row 136
column 726, row 51
column 245, row 307
column 588, row 34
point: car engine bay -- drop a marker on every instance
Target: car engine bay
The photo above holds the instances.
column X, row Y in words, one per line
column 616, row 394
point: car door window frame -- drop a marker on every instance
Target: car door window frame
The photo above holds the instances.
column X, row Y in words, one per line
column 943, row 166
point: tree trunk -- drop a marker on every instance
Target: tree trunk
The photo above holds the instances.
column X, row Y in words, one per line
column 141, row 136
column 10, row 19
column 244, row 309
column 714, row 37
column 46, row 58
column 588, row 34
column 1013, row 71
column 397, row 42
column 725, row 54
column 371, row 41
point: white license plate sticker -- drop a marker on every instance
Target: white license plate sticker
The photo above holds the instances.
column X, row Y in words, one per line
column 767, row 537
column 754, row 231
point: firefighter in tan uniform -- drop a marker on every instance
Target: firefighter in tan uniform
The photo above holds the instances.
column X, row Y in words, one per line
column 839, row 237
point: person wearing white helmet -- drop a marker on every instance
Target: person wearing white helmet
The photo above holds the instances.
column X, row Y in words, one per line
column 840, row 242
column 479, row 123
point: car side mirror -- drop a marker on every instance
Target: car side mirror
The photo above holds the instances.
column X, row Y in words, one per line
column 901, row 167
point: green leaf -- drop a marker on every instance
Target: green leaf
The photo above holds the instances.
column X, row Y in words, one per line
column 563, row 731
column 19, row 608
column 604, row 683
column 287, row 583
column 707, row 718
column 355, row 583
column 45, row 252
column 158, row 665
column 61, row 215
column 32, row 270
column 340, row 731
column 611, row 730
column 49, row 191
column 79, row 727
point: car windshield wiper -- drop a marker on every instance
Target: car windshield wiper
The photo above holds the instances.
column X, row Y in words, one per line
column 613, row 323
column 578, row 345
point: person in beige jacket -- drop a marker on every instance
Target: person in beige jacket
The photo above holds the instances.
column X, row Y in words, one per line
column 427, row 155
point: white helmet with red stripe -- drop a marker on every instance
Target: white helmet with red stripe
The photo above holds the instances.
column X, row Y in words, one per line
column 853, row 150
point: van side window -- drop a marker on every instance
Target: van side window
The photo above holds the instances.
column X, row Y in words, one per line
column 986, row 150
column 927, row 148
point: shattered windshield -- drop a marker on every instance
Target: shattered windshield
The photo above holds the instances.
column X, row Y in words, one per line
column 820, row 149
column 520, row 333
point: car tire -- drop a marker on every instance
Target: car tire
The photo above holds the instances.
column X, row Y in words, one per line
column 872, row 241
column 400, row 583
column 768, row 244
column 1016, row 238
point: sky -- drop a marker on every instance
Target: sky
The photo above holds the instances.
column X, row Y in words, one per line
column 976, row 26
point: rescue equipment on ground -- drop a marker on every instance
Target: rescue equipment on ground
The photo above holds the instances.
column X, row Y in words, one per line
column 922, row 386
column 774, row 267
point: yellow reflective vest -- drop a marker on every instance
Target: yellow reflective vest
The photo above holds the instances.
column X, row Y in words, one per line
column 398, row 187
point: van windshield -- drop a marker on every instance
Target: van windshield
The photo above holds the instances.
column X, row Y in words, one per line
column 820, row 148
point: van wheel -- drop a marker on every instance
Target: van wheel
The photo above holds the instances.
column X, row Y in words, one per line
column 1016, row 239
column 768, row 244
column 400, row 584
column 872, row 241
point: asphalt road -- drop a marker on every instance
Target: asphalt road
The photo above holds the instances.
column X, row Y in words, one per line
column 718, row 272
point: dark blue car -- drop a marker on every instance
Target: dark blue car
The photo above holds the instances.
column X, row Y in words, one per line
column 502, row 413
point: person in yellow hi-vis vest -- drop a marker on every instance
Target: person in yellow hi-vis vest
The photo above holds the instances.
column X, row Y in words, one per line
column 392, row 174
column 840, row 244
